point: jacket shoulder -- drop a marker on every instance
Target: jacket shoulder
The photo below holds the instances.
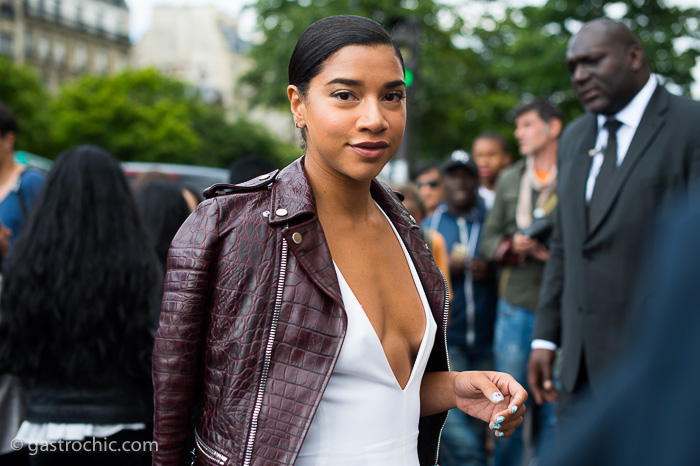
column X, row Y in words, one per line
column 258, row 183
column 510, row 176
column 514, row 170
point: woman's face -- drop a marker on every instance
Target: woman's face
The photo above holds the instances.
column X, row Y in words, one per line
column 354, row 112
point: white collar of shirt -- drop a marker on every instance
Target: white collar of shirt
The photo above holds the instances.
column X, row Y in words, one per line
column 630, row 116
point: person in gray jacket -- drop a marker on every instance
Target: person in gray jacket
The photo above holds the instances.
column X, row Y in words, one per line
column 516, row 237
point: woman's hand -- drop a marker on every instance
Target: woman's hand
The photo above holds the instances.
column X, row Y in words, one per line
column 493, row 397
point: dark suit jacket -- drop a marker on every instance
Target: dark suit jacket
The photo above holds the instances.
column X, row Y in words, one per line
column 648, row 415
column 588, row 294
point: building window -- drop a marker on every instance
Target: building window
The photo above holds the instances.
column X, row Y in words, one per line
column 6, row 8
column 44, row 47
column 59, row 52
column 80, row 57
column 99, row 21
column 101, row 62
column 57, row 9
column 6, row 43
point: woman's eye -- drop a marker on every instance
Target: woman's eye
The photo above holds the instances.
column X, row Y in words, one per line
column 343, row 95
column 395, row 96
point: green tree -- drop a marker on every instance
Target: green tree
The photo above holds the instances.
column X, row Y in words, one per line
column 22, row 92
column 145, row 116
column 525, row 52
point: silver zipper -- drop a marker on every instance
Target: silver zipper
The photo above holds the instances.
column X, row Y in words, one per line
column 268, row 356
column 445, row 310
column 208, row 451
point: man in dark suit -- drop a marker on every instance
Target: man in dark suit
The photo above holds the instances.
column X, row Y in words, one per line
column 653, row 385
column 618, row 165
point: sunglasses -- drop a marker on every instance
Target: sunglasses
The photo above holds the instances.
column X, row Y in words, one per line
column 432, row 183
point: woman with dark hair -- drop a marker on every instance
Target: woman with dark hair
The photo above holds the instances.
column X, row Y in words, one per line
column 303, row 307
column 80, row 294
column 163, row 209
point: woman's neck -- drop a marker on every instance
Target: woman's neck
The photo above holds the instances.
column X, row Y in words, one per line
column 9, row 171
column 339, row 197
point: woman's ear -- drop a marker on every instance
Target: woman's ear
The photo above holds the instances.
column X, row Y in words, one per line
column 296, row 104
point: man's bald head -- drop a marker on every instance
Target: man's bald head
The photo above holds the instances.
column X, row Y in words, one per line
column 608, row 66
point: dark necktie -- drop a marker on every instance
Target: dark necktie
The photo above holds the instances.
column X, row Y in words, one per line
column 606, row 173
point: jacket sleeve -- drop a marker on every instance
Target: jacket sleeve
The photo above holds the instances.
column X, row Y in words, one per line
column 177, row 348
column 548, row 315
column 493, row 236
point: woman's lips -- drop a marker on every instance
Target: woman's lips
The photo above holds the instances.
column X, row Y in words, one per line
column 370, row 150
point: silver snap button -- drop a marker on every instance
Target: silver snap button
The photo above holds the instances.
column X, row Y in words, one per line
column 281, row 212
column 296, row 237
column 266, row 213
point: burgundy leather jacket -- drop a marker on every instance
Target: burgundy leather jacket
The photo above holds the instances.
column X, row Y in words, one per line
column 252, row 323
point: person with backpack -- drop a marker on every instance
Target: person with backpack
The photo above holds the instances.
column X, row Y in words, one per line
column 19, row 185
column 19, row 188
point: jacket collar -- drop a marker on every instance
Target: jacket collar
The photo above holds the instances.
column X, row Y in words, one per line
column 293, row 199
column 293, row 204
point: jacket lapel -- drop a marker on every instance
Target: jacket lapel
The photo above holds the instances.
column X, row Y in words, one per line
column 651, row 123
column 293, row 203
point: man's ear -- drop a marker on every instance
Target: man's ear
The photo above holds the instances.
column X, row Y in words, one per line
column 636, row 56
column 296, row 104
column 555, row 126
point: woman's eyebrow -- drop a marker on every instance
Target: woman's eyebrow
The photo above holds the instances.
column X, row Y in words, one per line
column 356, row 82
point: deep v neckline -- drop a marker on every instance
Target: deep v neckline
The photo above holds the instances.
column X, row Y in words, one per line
column 375, row 339
column 427, row 315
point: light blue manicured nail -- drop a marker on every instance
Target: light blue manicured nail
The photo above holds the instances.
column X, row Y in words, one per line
column 496, row 426
column 497, row 397
column 500, row 419
column 514, row 409
column 500, row 434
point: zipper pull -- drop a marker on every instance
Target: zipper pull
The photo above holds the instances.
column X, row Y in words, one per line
column 194, row 457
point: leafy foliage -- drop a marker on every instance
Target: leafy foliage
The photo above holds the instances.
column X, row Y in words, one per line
column 525, row 52
column 146, row 116
column 22, row 92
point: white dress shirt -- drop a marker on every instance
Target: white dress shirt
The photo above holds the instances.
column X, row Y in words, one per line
column 630, row 116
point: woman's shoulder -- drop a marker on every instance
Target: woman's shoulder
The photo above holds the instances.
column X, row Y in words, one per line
column 33, row 177
column 256, row 184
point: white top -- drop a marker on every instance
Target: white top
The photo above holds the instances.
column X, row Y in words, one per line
column 488, row 195
column 365, row 418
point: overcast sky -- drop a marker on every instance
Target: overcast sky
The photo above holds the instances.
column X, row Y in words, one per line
column 141, row 13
